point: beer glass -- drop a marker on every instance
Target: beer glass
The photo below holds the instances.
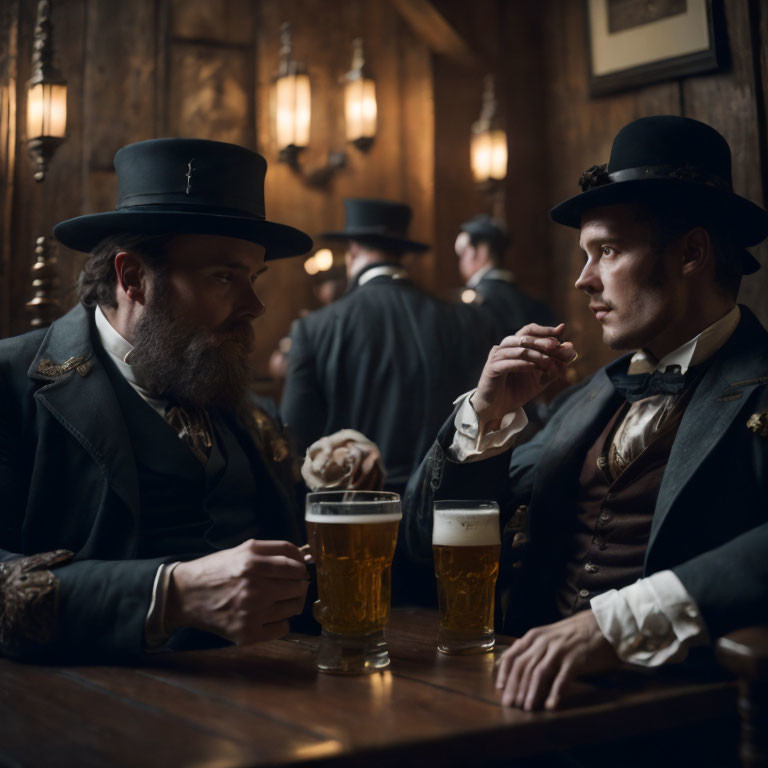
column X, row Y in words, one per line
column 466, row 544
column 352, row 537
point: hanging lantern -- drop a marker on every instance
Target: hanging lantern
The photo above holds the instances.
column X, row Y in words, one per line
column 359, row 101
column 488, row 146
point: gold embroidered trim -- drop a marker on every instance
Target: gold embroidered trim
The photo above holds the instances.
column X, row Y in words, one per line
column 81, row 364
column 29, row 602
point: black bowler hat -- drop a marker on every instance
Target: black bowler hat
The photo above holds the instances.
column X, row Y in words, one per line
column 671, row 159
column 187, row 186
column 382, row 223
column 485, row 227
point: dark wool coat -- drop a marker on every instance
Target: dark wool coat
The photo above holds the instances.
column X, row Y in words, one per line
column 69, row 480
column 388, row 360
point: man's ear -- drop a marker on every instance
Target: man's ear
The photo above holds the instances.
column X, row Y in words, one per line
column 132, row 276
column 697, row 250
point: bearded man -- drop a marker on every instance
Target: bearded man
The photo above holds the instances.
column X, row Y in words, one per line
column 635, row 522
column 142, row 497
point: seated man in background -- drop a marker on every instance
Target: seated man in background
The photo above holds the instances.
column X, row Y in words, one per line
column 635, row 522
column 480, row 247
column 143, row 491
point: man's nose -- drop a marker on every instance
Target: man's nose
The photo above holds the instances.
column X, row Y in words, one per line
column 251, row 305
column 589, row 279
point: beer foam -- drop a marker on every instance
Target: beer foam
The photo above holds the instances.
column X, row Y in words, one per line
column 390, row 517
column 463, row 527
column 325, row 513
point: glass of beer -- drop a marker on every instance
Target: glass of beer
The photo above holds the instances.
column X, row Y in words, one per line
column 466, row 544
column 352, row 537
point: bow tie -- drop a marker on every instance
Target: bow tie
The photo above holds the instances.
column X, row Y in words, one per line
column 636, row 386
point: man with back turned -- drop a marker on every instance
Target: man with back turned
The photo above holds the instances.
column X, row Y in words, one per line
column 635, row 523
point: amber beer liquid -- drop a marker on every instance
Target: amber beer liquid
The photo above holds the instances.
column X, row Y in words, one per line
column 352, row 537
column 466, row 545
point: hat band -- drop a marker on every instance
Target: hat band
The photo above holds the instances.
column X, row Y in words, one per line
column 217, row 210
column 680, row 173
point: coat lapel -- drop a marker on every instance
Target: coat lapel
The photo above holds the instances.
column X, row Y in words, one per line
column 78, row 394
column 734, row 372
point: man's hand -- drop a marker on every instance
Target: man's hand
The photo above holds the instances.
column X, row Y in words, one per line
column 519, row 369
column 539, row 667
column 245, row 594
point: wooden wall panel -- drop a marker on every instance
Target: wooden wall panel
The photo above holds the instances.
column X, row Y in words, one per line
column 581, row 130
column 9, row 39
column 226, row 21
column 727, row 101
column 209, row 93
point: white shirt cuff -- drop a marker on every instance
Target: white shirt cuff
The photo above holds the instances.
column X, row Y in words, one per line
column 650, row 622
column 155, row 632
column 469, row 441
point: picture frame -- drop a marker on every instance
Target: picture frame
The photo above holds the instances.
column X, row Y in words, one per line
column 632, row 43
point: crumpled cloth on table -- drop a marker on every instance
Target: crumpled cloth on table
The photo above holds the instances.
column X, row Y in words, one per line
column 347, row 459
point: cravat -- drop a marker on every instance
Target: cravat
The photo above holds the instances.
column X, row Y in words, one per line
column 193, row 426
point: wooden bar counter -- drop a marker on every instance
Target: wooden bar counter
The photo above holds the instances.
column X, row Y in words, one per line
column 266, row 705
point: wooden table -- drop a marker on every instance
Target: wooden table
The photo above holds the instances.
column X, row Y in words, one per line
column 266, row 705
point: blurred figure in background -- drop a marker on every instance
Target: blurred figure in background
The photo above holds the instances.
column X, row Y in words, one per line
column 480, row 246
column 386, row 359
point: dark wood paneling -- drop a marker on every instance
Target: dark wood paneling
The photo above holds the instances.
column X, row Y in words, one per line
column 9, row 35
column 226, row 21
column 209, row 93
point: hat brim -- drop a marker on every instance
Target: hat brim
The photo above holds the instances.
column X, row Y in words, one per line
column 84, row 233
column 746, row 222
column 386, row 241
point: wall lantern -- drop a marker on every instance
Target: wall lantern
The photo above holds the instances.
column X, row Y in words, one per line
column 359, row 101
column 46, row 97
column 293, row 110
column 488, row 147
column 293, row 101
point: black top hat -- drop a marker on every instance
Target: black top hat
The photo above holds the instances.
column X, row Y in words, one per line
column 485, row 227
column 187, row 186
column 381, row 222
column 675, row 159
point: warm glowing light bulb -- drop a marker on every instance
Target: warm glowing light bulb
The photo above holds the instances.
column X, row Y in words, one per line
column 310, row 266
column 323, row 259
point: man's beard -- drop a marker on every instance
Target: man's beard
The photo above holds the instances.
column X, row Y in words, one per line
column 193, row 366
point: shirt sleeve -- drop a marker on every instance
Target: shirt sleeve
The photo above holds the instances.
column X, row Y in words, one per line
column 471, row 443
column 650, row 622
column 155, row 633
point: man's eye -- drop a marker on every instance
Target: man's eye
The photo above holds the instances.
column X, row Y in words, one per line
column 606, row 250
column 224, row 277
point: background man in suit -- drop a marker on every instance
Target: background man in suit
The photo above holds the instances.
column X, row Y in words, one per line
column 637, row 517
column 480, row 247
column 145, row 497
column 386, row 359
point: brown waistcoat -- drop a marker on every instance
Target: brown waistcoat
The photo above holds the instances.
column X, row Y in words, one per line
column 613, row 523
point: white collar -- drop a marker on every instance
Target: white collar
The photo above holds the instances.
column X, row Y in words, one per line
column 119, row 348
column 693, row 352
column 386, row 270
column 492, row 272
column 479, row 275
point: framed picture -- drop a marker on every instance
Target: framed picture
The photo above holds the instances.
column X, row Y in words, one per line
column 637, row 42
